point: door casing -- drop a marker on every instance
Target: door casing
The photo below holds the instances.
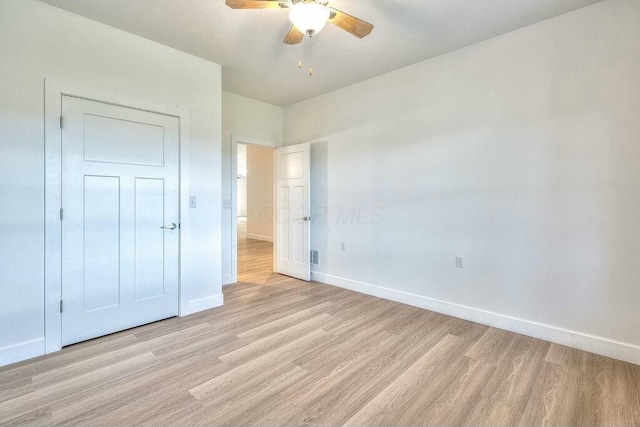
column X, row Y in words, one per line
column 54, row 90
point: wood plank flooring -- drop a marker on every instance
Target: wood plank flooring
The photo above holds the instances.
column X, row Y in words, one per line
column 255, row 257
column 286, row 352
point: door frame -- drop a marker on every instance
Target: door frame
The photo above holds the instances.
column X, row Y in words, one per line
column 246, row 140
column 53, row 93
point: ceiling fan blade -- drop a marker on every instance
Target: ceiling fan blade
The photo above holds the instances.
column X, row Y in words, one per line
column 350, row 24
column 257, row 4
column 294, row 36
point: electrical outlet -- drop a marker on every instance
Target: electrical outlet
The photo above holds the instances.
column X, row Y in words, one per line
column 226, row 204
column 459, row 262
column 343, row 246
column 193, row 201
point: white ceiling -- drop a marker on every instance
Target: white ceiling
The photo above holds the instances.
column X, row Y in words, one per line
column 255, row 62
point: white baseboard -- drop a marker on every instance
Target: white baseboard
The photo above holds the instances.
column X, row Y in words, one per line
column 582, row 341
column 260, row 237
column 201, row 304
column 21, row 351
column 228, row 280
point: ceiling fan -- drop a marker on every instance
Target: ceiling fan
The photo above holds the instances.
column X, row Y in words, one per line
column 308, row 17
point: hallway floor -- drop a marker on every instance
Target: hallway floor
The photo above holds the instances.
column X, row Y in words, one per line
column 255, row 257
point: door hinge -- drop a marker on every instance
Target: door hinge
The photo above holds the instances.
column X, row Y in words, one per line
column 61, row 122
column 61, row 307
column 61, row 214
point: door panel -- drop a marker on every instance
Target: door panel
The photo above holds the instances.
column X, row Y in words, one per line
column 291, row 165
column 300, row 210
column 149, row 238
column 101, row 281
column 120, row 185
column 284, row 252
column 129, row 142
column 293, row 211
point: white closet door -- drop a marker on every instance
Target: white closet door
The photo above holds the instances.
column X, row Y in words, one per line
column 120, row 186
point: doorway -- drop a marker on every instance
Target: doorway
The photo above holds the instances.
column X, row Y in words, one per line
column 255, row 212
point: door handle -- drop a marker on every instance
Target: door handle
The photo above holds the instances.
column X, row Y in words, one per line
column 171, row 226
column 305, row 218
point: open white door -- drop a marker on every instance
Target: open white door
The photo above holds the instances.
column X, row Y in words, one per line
column 293, row 211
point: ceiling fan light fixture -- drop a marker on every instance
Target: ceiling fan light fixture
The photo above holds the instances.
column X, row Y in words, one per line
column 309, row 17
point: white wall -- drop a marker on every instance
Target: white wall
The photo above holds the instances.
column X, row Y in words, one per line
column 241, row 159
column 319, row 198
column 242, row 196
column 39, row 41
column 242, row 118
column 241, row 183
column 260, row 192
column 520, row 153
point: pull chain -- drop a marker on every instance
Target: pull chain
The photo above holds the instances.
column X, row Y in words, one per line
column 307, row 56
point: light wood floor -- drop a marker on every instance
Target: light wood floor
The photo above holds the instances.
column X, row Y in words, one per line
column 286, row 352
column 255, row 258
